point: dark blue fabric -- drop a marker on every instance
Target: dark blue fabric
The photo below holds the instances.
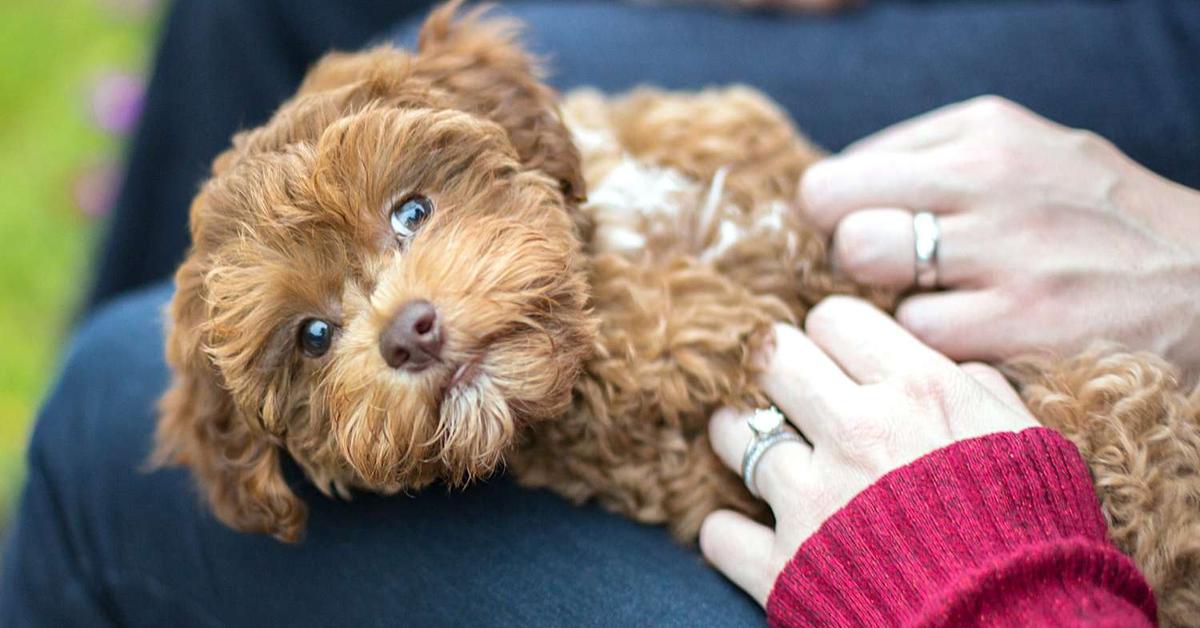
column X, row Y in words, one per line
column 98, row 541
column 221, row 66
column 1128, row 70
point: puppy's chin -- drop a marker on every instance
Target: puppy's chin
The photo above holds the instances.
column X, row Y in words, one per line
column 453, row 424
column 521, row 380
column 401, row 436
column 476, row 424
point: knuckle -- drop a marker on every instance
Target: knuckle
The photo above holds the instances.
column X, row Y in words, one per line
column 993, row 107
column 867, row 445
column 1047, row 286
column 829, row 313
column 980, row 163
column 1043, row 226
column 1089, row 142
column 991, row 162
column 930, row 391
column 860, row 430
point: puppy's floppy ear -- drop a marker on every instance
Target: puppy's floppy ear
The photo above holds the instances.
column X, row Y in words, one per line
column 487, row 73
column 237, row 468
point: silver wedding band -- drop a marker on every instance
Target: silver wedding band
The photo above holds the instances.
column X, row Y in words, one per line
column 767, row 425
column 927, row 236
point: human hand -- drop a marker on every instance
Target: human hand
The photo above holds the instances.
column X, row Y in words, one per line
column 1050, row 237
column 870, row 398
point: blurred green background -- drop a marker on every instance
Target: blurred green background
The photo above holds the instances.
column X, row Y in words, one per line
column 70, row 92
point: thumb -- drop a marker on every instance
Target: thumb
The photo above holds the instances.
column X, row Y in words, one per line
column 741, row 549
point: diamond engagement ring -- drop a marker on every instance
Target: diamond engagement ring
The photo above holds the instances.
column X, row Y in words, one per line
column 767, row 425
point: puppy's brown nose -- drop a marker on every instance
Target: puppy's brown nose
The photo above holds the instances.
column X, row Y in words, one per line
column 414, row 339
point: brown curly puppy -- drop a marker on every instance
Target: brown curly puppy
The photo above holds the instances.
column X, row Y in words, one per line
column 397, row 281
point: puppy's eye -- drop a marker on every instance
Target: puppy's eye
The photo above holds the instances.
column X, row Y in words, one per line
column 316, row 336
column 408, row 215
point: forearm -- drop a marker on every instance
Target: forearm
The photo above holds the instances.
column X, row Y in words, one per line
column 1004, row 529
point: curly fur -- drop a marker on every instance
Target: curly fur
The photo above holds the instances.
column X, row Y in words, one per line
column 1130, row 417
column 293, row 225
column 604, row 331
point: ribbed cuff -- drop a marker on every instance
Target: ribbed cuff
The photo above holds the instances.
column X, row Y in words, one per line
column 1000, row 526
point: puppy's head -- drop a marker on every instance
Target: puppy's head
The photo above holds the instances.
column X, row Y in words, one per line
column 385, row 280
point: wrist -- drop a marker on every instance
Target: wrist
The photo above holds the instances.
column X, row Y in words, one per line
column 1169, row 209
column 1172, row 212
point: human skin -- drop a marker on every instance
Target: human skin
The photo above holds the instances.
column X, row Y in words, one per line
column 870, row 398
column 1051, row 237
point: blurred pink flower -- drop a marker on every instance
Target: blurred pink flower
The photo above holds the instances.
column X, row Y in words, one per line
column 95, row 189
column 117, row 99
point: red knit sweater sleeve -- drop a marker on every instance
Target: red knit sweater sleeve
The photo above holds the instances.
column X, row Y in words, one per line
column 999, row 530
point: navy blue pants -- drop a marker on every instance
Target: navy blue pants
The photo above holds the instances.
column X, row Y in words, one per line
column 97, row 540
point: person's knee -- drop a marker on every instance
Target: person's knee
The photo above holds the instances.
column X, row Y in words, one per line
column 100, row 410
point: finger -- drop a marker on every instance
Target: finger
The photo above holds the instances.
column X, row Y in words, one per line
column 804, row 382
column 778, row 471
column 995, row 383
column 999, row 387
column 868, row 344
column 877, row 247
column 947, row 123
column 964, row 325
column 837, row 186
column 740, row 549
column 926, row 130
column 1017, row 417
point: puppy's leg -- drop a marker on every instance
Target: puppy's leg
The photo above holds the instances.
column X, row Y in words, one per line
column 676, row 342
column 1139, row 431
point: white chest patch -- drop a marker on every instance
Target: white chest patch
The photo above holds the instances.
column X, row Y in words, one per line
column 636, row 201
column 639, row 206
